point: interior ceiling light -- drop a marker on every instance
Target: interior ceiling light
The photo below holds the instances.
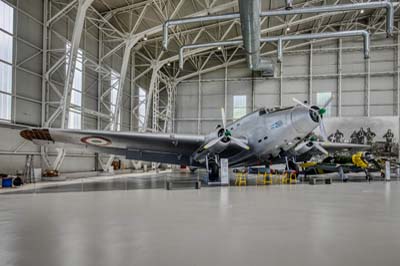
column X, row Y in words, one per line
column 145, row 38
column 362, row 11
column 288, row 29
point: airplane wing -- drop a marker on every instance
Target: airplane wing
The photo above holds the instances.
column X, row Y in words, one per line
column 158, row 147
column 334, row 146
column 309, row 148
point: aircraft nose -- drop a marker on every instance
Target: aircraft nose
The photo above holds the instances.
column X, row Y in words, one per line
column 314, row 115
column 304, row 120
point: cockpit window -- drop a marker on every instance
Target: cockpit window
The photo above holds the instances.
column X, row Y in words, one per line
column 263, row 111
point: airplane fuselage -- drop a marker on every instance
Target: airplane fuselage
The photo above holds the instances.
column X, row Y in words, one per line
column 269, row 134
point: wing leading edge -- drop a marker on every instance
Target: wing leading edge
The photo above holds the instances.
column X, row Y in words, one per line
column 158, row 147
column 333, row 146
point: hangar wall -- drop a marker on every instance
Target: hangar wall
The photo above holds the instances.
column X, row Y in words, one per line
column 335, row 66
column 27, row 84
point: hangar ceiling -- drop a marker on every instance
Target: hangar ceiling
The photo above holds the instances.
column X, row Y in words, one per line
column 145, row 18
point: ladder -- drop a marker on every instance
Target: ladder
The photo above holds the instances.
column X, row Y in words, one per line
column 241, row 178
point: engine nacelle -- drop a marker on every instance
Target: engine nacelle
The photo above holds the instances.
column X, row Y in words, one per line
column 304, row 147
column 215, row 144
column 219, row 147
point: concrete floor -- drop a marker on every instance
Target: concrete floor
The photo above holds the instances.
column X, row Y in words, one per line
column 338, row 224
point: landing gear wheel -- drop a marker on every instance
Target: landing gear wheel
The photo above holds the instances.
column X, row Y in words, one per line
column 213, row 174
column 293, row 166
column 192, row 169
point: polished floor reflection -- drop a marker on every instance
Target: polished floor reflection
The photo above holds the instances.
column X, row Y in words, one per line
column 339, row 224
column 127, row 182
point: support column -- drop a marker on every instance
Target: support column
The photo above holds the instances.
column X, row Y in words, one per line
column 281, row 84
column 339, row 81
column 397, row 66
column 199, row 106
column 175, row 84
column 44, row 60
column 310, row 78
column 156, row 113
column 124, row 68
column 397, row 70
column 367, row 86
column 226, row 89
column 113, row 125
column 152, row 85
column 44, row 159
column 83, row 5
column 134, row 94
column 99, row 83
column 253, row 93
column 156, row 107
column 73, row 54
column 169, row 108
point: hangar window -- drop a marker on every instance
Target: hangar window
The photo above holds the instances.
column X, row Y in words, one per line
column 322, row 98
column 75, row 114
column 239, row 106
column 113, row 98
column 142, row 107
column 6, row 60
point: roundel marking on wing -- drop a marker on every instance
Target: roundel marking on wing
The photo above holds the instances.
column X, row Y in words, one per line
column 96, row 140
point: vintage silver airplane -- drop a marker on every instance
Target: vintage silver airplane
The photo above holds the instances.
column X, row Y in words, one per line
column 263, row 137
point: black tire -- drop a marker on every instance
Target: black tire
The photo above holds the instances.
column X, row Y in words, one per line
column 213, row 174
column 192, row 169
column 293, row 166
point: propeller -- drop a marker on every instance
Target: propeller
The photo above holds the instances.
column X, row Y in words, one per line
column 311, row 144
column 227, row 136
column 320, row 148
column 320, row 112
column 213, row 142
column 300, row 146
column 242, row 143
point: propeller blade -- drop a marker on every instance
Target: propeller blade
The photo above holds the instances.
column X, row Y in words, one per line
column 300, row 146
column 322, row 129
column 223, row 117
column 300, row 102
column 319, row 147
column 328, row 102
column 241, row 143
column 305, row 105
column 213, row 142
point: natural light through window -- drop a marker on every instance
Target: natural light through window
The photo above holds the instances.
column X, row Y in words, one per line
column 239, row 106
column 142, row 107
column 113, row 98
column 75, row 114
column 6, row 60
column 322, row 98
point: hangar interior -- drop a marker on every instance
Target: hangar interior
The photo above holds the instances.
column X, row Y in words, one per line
column 120, row 46
column 163, row 70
